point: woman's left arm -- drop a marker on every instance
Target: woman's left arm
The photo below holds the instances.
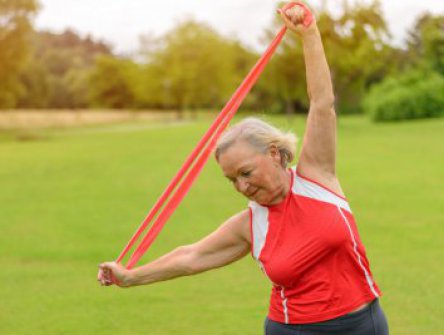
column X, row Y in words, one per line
column 318, row 153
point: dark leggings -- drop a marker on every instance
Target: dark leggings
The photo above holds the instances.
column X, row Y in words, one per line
column 368, row 321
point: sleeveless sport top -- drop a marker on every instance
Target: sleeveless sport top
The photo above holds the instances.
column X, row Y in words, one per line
column 309, row 247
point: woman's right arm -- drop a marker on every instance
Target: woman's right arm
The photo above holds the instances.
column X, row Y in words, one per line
column 230, row 242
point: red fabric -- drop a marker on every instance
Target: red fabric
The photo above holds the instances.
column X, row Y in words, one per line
column 314, row 257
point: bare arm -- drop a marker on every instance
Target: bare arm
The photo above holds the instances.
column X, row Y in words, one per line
column 227, row 244
column 318, row 153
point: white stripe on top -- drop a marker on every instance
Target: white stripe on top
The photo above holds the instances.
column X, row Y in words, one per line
column 355, row 249
column 259, row 226
column 306, row 188
column 284, row 305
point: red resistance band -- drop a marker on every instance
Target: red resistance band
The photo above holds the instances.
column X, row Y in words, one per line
column 201, row 153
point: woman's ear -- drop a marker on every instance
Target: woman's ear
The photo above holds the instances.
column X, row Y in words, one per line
column 274, row 153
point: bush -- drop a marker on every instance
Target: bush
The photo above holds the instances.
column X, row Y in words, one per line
column 414, row 95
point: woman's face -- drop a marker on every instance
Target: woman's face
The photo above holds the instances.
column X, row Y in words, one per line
column 258, row 176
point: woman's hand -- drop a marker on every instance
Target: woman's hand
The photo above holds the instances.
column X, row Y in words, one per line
column 112, row 273
column 294, row 18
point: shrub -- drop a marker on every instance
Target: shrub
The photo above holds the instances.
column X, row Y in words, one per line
column 413, row 95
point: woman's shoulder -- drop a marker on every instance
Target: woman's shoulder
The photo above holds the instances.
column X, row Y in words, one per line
column 240, row 222
column 327, row 181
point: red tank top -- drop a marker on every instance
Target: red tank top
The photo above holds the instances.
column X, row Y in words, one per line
column 309, row 247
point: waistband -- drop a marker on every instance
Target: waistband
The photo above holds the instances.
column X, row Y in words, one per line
column 343, row 319
column 350, row 317
column 367, row 307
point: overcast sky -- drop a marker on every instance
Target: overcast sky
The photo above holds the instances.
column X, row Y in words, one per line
column 121, row 22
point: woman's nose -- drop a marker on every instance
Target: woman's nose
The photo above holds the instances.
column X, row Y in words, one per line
column 241, row 185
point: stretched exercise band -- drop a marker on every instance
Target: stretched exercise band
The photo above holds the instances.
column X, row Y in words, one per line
column 203, row 151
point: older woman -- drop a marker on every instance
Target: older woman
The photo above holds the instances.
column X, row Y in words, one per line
column 299, row 226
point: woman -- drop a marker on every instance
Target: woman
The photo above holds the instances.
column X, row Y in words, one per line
column 299, row 226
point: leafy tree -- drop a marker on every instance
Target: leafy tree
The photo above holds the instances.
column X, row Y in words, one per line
column 282, row 85
column 352, row 38
column 416, row 89
column 57, row 74
column 36, row 82
column 426, row 43
column 359, row 53
column 113, row 83
column 15, row 29
column 193, row 66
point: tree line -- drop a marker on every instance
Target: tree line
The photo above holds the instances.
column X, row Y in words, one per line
column 192, row 66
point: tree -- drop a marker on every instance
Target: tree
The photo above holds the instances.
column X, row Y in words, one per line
column 358, row 54
column 426, row 43
column 36, row 82
column 15, row 29
column 352, row 38
column 193, row 66
column 57, row 75
column 283, row 86
column 113, row 83
column 416, row 90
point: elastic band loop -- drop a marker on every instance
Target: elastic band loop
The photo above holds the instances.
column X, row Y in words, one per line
column 199, row 156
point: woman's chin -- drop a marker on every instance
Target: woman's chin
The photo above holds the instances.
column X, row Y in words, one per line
column 260, row 197
column 261, row 201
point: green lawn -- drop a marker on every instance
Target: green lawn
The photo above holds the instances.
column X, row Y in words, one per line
column 71, row 199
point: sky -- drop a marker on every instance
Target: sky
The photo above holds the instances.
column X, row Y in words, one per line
column 122, row 22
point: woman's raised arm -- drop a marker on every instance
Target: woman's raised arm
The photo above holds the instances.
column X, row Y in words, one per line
column 318, row 153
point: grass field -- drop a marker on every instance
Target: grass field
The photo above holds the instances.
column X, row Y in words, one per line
column 70, row 199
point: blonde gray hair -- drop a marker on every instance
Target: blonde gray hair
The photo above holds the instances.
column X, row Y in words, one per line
column 261, row 136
